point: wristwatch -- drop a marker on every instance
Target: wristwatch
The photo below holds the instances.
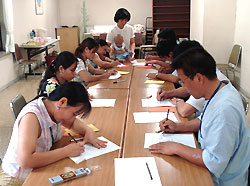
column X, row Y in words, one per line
column 156, row 75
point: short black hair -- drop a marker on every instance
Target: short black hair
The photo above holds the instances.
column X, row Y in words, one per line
column 122, row 13
column 167, row 33
column 196, row 60
column 185, row 45
column 102, row 42
column 164, row 47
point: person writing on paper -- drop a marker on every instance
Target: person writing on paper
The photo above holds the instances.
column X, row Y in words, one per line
column 192, row 105
column 38, row 126
column 165, row 50
column 122, row 16
column 99, row 58
column 61, row 70
column 119, row 50
column 224, row 136
column 166, row 33
column 104, row 50
column 86, row 50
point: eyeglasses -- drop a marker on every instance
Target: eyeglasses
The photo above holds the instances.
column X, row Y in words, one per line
column 183, row 81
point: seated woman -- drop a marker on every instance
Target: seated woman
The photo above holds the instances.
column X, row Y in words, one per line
column 100, row 60
column 119, row 50
column 86, row 50
column 38, row 127
column 61, row 70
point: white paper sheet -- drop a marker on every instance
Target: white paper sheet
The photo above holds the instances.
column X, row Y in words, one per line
column 134, row 172
column 122, row 65
column 103, row 102
column 115, row 76
column 153, row 138
column 153, row 102
column 90, row 151
column 140, row 63
column 153, row 117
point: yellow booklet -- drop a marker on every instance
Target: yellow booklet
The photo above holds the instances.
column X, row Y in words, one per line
column 154, row 82
column 122, row 72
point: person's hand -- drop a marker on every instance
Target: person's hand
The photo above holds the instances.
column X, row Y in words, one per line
column 149, row 63
column 90, row 137
column 167, row 126
column 167, row 148
column 116, row 63
column 74, row 149
column 175, row 100
column 162, row 95
column 165, row 70
column 106, row 75
column 152, row 75
column 112, row 72
column 148, row 57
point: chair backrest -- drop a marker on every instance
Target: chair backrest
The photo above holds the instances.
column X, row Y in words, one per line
column 235, row 56
column 16, row 105
column 138, row 39
column 18, row 53
column 245, row 103
column 103, row 36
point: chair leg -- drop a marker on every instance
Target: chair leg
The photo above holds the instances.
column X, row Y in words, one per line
column 234, row 77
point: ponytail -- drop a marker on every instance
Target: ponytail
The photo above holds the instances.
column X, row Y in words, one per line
column 64, row 59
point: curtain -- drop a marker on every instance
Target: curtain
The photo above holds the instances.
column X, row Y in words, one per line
column 9, row 25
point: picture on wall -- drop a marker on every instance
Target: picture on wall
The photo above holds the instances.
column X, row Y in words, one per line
column 39, row 7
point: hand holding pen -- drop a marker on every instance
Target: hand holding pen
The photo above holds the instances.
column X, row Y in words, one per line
column 159, row 95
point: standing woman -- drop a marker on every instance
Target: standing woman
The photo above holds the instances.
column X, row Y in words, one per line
column 122, row 16
column 61, row 70
column 86, row 50
column 38, row 126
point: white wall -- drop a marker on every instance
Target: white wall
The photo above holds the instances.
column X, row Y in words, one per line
column 25, row 19
column 242, row 30
column 196, row 20
column 101, row 12
column 219, row 26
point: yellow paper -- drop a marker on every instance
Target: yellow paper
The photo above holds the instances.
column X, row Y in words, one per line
column 122, row 72
column 71, row 132
column 154, row 82
column 94, row 128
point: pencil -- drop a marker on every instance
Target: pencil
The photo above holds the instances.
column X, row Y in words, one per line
column 72, row 137
column 149, row 171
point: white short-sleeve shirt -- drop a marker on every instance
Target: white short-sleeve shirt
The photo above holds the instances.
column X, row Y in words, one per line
column 199, row 103
column 127, row 33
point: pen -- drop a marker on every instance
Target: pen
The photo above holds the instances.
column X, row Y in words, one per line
column 160, row 94
column 149, row 171
column 166, row 120
column 119, row 81
column 72, row 137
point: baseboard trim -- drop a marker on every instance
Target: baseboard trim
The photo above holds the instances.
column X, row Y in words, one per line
column 10, row 83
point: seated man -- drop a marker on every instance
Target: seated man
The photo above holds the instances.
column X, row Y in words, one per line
column 224, row 136
column 186, row 109
column 166, row 33
column 164, row 50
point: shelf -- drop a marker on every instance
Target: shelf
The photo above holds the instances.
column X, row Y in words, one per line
column 181, row 20
column 172, row 6
column 172, row 13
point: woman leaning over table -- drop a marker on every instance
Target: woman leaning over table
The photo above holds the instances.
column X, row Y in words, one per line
column 38, row 126
column 61, row 70
column 86, row 50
